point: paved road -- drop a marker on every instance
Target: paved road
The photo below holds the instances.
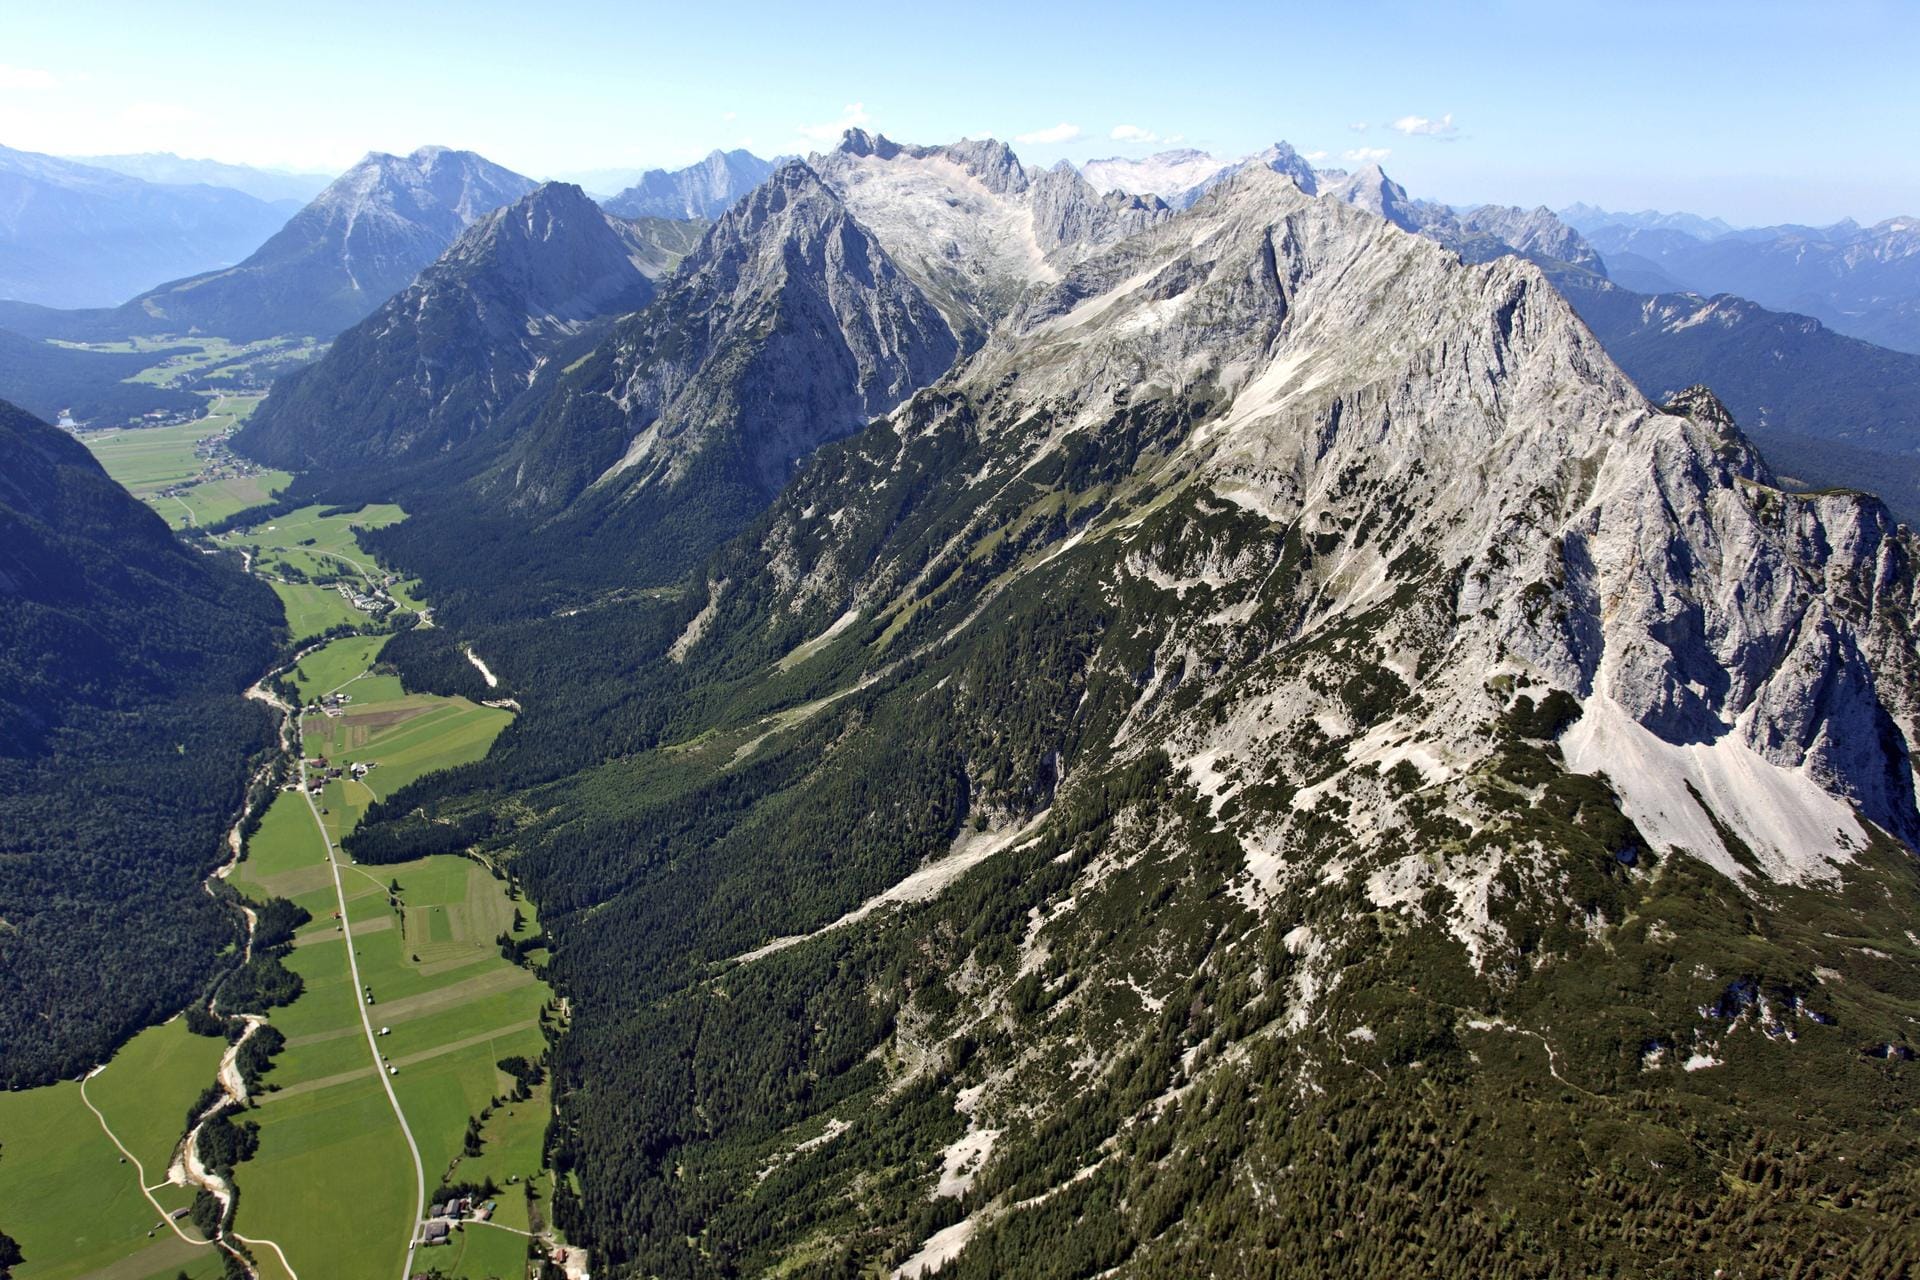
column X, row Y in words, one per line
column 366, row 1024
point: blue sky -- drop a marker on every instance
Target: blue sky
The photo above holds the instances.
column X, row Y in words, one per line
column 1758, row 111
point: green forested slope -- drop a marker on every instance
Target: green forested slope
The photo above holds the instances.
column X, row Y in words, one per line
column 123, row 752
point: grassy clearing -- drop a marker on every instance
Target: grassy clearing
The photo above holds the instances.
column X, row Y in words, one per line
column 312, row 611
column 306, row 544
column 69, row 1199
column 403, row 736
column 167, row 1062
column 337, row 665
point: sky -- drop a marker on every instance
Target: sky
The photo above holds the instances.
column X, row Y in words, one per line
column 1759, row 112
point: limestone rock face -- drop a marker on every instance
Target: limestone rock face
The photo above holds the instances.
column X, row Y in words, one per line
column 788, row 326
column 1486, row 488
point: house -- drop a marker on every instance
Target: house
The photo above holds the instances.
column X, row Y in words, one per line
column 435, row 1233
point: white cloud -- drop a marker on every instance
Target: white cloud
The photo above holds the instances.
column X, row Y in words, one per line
column 728, row 117
column 852, row 116
column 1360, row 126
column 1176, row 137
column 26, row 78
column 1313, row 157
column 1421, row 127
column 1058, row 133
column 1367, row 155
column 1133, row 133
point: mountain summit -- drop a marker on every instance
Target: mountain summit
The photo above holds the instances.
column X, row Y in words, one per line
column 437, row 362
column 704, row 190
column 358, row 243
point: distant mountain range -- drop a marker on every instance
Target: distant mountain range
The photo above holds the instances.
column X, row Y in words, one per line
column 78, row 235
column 1589, row 218
column 360, row 241
column 704, row 190
column 435, row 363
column 1860, row 281
column 275, row 186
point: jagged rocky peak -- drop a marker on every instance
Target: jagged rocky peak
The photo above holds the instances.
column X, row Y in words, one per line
column 970, row 224
column 1283, row 159
column 1068, row 213
column 1369, row 188
column 554, row 252
column 1178, row 176
column 1492, row 496
column 1700, row 404
column 789, row 325
column 432, row 180
column 703, row 190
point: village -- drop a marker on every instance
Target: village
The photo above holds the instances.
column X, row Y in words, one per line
column 217, row 462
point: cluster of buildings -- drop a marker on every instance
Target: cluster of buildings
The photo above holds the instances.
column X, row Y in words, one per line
column 442, row 1218
column 360, row 600
column 332, row 704
column 217, row 462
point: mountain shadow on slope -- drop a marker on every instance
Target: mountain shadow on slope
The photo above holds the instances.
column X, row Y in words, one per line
column 124, row 751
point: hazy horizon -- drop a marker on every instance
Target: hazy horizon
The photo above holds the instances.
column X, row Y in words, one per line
column 1740, row 112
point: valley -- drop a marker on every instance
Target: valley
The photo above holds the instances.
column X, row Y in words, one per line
column 1084, row 707
column 334, row 1187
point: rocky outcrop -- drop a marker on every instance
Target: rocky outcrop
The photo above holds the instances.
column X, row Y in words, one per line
column 787, row 327
column 972, row 226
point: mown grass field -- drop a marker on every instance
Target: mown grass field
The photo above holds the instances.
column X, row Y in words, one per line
column 330, row 1150
column 65, row 1192
column 338, row 666
column 305, row 543
column 166, row 1061
column 146, row 459
column 312, row 611
column 403, row 736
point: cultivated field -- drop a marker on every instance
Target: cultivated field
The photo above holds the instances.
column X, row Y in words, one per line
column 151, row 461
column 330, row 1150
